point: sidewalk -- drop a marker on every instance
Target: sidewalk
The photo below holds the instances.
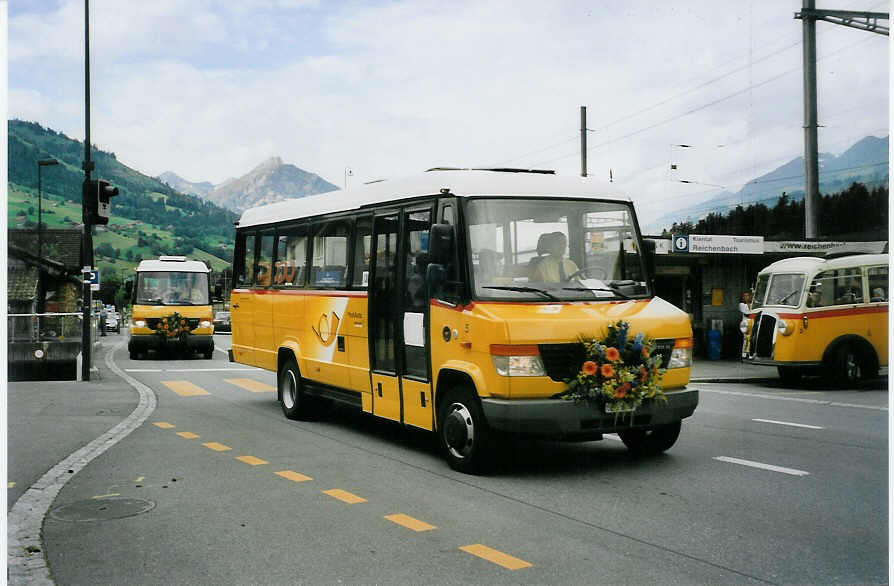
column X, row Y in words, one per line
column 729, row 370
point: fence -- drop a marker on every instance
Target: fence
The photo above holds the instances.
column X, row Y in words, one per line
column 38, row 340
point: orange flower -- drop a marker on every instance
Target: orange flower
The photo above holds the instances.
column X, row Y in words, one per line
column 607, row 370
column 645, row 353
column 643, row 373
column 621, row 391
column 589, row 368
column 612, row 354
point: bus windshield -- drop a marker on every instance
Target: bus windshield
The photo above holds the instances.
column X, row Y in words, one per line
column 172, row 288
column 554, row 249
column 779, row 289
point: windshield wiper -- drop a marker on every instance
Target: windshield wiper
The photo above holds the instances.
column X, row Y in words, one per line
column 546, row 294
column 782, row 300
column 614, row 290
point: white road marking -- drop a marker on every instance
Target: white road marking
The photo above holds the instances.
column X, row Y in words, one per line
column 789, row 423
column 762, row 466
column 795, row 399
column 224, row 350
column 142, row 370
column 211, row 369
column 612, row 436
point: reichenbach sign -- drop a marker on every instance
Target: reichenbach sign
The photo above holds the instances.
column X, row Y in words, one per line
column 718, row 244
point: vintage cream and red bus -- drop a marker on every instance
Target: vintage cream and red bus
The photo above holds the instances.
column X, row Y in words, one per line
column 814, row 314
column 445, row 302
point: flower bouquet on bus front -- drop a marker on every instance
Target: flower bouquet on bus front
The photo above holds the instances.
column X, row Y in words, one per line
column 619, row 371
column 172, row 326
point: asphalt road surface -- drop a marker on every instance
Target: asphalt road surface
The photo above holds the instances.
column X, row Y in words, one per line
column 765, row 485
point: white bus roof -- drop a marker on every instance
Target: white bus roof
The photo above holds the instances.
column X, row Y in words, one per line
column 460, row 183
column 173, row 264
column 807, row 264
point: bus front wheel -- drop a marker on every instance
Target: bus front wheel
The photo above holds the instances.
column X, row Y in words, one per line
column 292, row 399
column 649, row 442
column 463, row 433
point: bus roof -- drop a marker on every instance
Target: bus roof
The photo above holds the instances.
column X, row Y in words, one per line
column 806, row 264
column 173, row 264
column 460, row 183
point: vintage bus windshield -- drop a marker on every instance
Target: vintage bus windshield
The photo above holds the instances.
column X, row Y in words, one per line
column 172, row 288
column 779, row 289
column 554, row 249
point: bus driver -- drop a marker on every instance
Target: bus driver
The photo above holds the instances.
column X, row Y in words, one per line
column 553, row 267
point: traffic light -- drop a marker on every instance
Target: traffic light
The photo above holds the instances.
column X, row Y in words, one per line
column 97, row 201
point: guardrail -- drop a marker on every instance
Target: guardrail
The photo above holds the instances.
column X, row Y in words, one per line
column 43, row 327
column 36, row 339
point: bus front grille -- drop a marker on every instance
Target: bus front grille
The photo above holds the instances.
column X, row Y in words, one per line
column 761, row 343
column 563, row 361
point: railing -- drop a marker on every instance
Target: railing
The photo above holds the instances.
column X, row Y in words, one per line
column 44, row 327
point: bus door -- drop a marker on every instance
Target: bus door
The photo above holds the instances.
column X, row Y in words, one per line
column 399, row 318
column 241, row 312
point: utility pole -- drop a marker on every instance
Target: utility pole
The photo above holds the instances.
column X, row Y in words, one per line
column 583, row 141
column 87, row 234
column 867, row 21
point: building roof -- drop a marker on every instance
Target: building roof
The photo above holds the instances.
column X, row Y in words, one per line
column 59, row 244
column 468, row 182
column 21, row 284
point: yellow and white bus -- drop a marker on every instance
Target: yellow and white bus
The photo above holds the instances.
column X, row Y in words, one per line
column 171, row 307
column 454, row 302
column 810, row 314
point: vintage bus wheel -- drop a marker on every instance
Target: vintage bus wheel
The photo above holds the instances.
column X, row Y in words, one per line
column 648, row 442
column 291, row 397
column 847, row 366
column 462, row 431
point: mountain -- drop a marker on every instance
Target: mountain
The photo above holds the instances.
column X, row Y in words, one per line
column 270, row 181
column 148, row 217
column 183, row 186
column 865, row 162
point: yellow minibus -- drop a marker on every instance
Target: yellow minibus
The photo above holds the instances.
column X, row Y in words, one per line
column 815, row 314
column 171, row 308
column 456, row 301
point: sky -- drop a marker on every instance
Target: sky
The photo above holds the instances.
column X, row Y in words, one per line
column 210, row 89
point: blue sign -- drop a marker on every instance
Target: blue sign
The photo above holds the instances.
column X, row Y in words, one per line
column 681, row 243
column 94, row 277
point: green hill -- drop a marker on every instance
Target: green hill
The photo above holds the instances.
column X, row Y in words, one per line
column 148, row 219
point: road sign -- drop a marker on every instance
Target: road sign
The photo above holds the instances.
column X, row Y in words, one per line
column 93, row 277
column 681, row 243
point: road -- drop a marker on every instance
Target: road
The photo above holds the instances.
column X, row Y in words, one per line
column 765, row 485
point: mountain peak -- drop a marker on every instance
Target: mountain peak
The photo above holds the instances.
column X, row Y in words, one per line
column 271, row 163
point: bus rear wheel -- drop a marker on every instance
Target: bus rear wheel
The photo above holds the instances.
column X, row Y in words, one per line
column 652, row 441
column 463, row 433
column 847, row 366
column 294, row 401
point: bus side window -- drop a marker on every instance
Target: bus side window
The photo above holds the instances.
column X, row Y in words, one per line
column 330, row 255
column 878, row 283
column 245, row 260
column 265, row 261
column 362, row 251
column 291, row 257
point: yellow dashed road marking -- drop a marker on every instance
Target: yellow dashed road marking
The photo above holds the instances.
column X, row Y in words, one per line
column 217, row 447
column 252, row 460
column 163, row 424
column 10, row 484
column 409, row 522
column 294, row 476
column 344, row 496
column 102, row 496
column 250, row 384
column 187, row 434
column 184, row 388
column 496, row 557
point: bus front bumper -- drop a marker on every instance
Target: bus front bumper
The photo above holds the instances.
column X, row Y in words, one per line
column 196, row 342
column 562, row 419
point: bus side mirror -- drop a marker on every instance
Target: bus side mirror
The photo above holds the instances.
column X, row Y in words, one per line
column 649, row 257
column 435, row 275
column 441, row 244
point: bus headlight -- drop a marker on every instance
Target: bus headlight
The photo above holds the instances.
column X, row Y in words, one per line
column 743, row 325
column 205, row 324
column 785, row 327
column 517, row 360
column 140, row 323
column 681, row 355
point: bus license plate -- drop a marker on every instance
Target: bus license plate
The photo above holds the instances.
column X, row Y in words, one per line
column 609, row 408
